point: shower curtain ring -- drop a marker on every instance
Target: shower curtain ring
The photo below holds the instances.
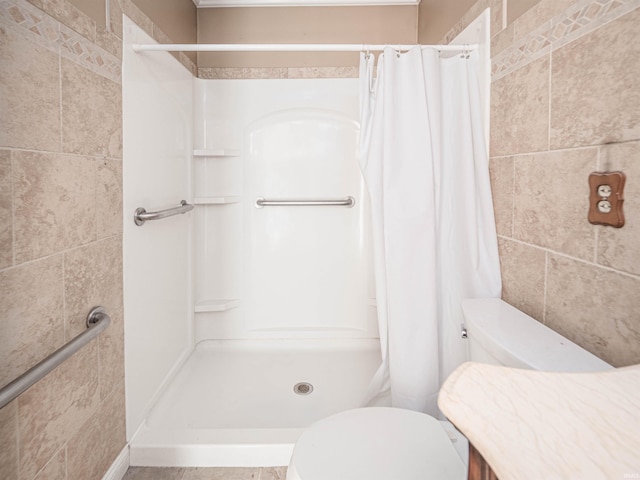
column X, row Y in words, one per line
column 466, row 52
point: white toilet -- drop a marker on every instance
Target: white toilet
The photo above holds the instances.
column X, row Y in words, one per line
column 394, row 444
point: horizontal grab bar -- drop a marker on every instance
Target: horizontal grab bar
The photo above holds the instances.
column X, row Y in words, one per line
column 141, row 215
column 342, row 202
column 97, row 321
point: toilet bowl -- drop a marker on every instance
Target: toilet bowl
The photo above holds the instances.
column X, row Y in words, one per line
column 384, row 443
column 377, row 443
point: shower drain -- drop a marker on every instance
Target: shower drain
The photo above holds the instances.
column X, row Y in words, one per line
column 303, row 388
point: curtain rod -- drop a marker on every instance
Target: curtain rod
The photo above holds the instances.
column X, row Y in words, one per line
column 288, row 47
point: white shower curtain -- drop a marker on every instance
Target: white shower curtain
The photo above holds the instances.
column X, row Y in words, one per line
column 424, row 161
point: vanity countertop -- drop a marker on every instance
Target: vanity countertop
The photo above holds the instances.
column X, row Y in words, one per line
column 548, row 425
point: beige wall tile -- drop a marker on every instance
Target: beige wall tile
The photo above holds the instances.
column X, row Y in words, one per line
column 66, row 13
column 497, row 21
column 154, row 473
column 109, row 198
column 29, row 94
column 56, row 469
column 273, row 473
column 55, row 408
column 259, row 73
column 502, row 40
column 9, row 441
column 111, row 354
column 91, row 113
column 32, row 322
column 215, row 73
column 6, row 211
column 596, row 308
column 520, row 111
column 54, row 202
column 230, row 473
column 218, row 73
column 109, row 41
column 551, row 201
column 537, row 15
column 523, row 275
column 620, row 247
column 115, row 18
column 595, row 98
column 100, row 440
column 501, row 171
column 131, row 10
column 323, row 72
column 93, row 276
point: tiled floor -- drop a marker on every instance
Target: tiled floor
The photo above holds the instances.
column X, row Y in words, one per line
column 159, row 473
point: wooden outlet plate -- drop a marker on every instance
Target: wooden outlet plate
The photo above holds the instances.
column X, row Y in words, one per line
column 615, row 180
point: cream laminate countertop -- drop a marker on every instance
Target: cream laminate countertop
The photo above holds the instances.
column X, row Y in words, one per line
column 548, row 425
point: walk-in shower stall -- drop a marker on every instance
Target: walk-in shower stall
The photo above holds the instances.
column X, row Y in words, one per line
column 254, row 314
column 247, row 318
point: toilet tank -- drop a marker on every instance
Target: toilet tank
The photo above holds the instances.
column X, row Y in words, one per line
column 501, row 334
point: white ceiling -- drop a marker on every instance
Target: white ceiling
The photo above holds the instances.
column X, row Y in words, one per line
column 298, row 3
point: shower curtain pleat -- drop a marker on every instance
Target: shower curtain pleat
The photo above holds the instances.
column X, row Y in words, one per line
column 424, row 162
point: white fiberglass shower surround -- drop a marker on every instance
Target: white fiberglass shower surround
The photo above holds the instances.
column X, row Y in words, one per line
column 233, row 304
column 245, row 321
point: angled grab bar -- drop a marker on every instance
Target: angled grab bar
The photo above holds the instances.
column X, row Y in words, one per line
column 342, row 202
column 97, row 321
column 141, row 215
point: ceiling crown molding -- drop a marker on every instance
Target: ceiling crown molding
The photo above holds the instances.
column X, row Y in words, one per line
column 299, row 3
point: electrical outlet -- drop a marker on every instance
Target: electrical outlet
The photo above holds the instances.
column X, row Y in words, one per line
column 605, row 198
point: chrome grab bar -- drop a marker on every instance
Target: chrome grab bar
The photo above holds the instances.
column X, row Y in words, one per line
column 141, row 215
column 343, row 202
column 97, row 321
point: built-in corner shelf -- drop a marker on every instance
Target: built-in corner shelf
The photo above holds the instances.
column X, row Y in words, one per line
column 372, row 302
column 216, row 305
column 217, row 200
column 216, row 152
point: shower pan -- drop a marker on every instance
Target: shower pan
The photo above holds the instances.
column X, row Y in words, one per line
column 253, row 315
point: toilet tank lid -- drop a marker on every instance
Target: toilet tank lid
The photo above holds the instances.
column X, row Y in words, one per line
column 518, row 340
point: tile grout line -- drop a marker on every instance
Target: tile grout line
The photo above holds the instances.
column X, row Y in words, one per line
column 96, row 186
column 556, row 44
column 513, row 199
column 107, row 16
column 544, row 294
column 580, row 260
column 549, row 92
column 67, row 154
column 61, row 252
column 597, row 230
column 557, row 150
column 13, row 209
column 66, row 462
column 505, row 15
column 111, row 67
column 60, row 149
column 64, row 296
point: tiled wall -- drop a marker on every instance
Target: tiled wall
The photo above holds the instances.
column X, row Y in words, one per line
column 564, row 103
column 61, row 234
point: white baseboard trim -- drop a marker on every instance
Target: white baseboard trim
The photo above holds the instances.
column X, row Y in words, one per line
column 119, row 466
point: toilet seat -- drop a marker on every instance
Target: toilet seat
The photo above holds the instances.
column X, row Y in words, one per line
column 377, row 443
